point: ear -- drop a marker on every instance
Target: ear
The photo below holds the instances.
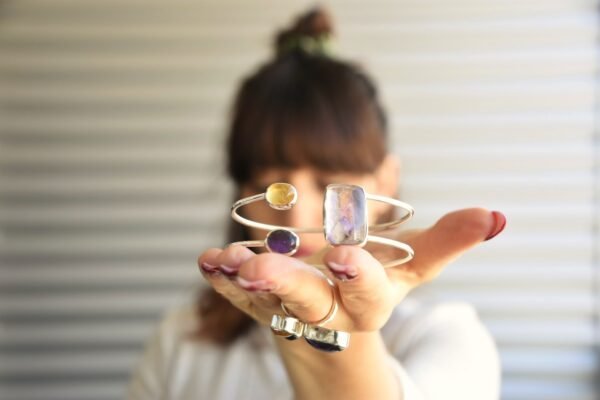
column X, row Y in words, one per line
column 388, row 175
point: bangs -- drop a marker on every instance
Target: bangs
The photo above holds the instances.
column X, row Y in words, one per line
column 316, row 138
column 301, row 123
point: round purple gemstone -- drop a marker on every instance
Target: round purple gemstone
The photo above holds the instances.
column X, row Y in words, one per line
column 282, row 241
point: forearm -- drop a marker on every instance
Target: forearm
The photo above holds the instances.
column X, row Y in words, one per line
column 360, row 372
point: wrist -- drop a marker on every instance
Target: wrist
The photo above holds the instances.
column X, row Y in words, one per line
column 361, row 371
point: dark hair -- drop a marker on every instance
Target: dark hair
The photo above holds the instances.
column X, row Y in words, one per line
column 306, row 109
column 302, row 108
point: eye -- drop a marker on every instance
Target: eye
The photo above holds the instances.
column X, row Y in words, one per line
column 258, row 187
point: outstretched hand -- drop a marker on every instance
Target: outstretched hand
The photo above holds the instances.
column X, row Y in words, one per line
column 367, row 293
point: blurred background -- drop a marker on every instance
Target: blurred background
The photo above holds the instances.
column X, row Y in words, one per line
column 112, row 117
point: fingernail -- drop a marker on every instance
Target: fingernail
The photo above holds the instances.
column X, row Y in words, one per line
column 499, row 224
column 343, row 272
column 255, row 286
column 210, row 269
column 229, row 271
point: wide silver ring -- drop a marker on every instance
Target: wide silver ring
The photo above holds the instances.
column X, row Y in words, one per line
column 324, row 339
column 289, row 327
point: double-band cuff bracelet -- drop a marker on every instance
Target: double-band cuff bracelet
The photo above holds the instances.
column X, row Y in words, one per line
column 345, row 220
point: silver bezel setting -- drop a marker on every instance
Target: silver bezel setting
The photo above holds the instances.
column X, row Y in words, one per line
column 287, row 206
column 365, row 213
column 289, row 253
column 331, row 338
column 289, row 327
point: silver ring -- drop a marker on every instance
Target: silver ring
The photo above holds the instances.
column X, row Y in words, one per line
column 292, row 241
column 330, row 314
column 289, row 327
column 324, row 339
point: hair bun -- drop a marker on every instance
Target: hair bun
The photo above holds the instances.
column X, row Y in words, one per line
column 314, row 25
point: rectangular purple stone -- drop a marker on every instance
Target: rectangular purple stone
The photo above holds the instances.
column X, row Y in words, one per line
column 345, row 215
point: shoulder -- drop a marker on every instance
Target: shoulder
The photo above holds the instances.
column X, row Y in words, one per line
column 178, row 365
column 151, row 373
column 179, row 322
column 180, row 325
column 445, row 349
column 413, row 312
column 417, row 321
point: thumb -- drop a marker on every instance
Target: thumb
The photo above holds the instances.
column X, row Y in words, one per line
column 450, row 237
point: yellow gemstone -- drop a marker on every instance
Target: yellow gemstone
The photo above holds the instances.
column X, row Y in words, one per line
column 281, row 196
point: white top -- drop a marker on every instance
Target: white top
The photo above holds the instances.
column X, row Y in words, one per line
column 437, row 352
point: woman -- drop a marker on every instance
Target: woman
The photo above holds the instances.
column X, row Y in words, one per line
column 309, row 119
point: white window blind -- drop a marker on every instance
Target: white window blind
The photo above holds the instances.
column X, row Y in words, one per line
column 112, row 117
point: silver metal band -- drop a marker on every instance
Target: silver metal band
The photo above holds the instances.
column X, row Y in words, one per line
column 269, row 227
column 320, row 338
column 372, row 239
column 324, row 339
column 289, row 327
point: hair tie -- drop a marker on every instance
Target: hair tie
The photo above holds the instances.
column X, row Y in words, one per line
column 315, row 45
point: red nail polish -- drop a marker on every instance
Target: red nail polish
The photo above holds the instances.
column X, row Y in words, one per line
column 210, row 269
column 499, row 224
column 343, row 272
column 255, row 286
column 228, row 270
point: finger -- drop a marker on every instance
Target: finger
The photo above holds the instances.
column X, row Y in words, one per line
column 229, row 262
column 450, row 237
column 209, row 263
column 363, row 284
column 230, row 259
column 302, row 288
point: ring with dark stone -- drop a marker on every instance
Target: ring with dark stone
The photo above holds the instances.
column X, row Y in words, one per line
column 324, row 339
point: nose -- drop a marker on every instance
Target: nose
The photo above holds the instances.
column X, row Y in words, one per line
column 307, row 212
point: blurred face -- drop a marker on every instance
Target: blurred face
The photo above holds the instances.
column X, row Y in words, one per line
column 308, row 210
